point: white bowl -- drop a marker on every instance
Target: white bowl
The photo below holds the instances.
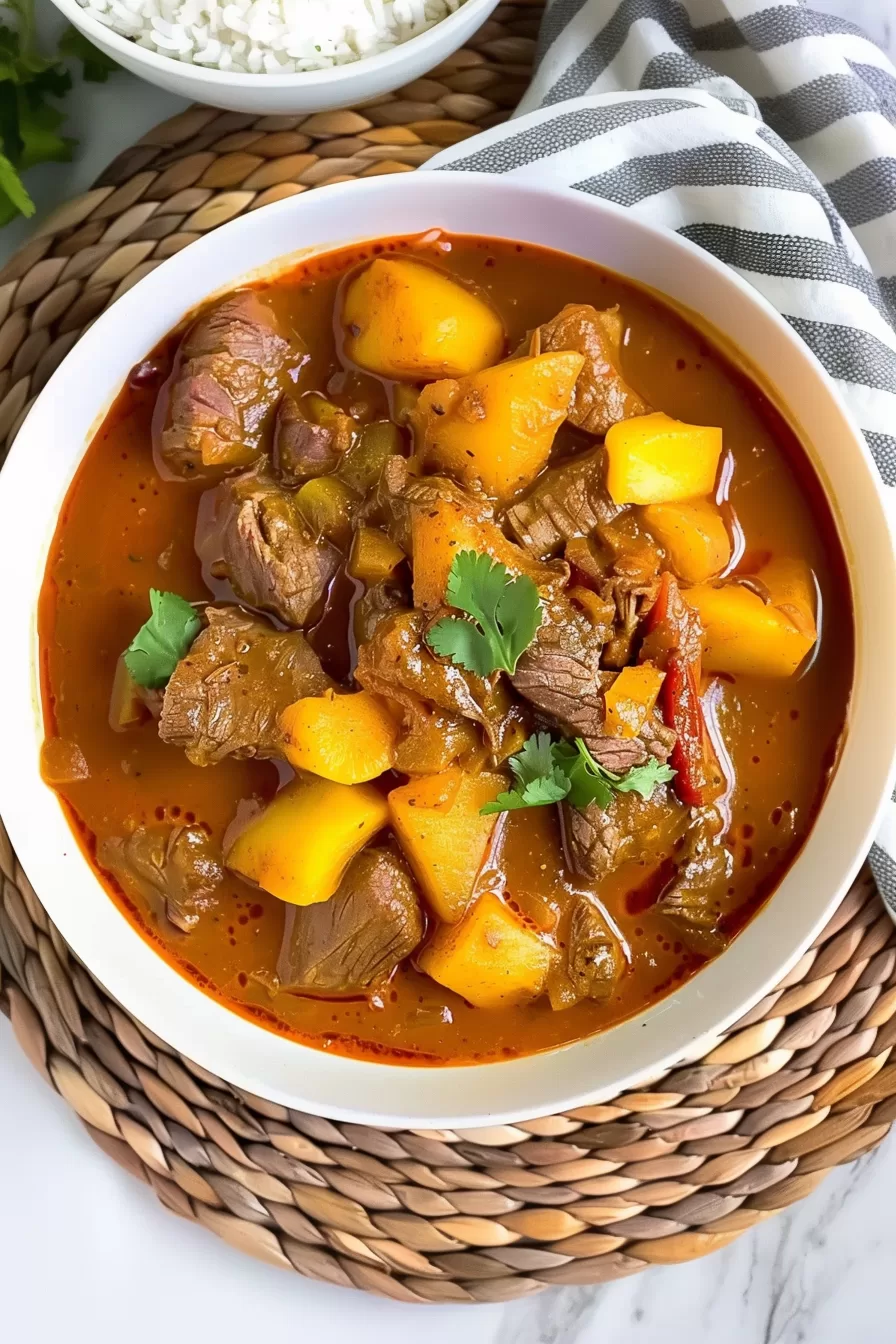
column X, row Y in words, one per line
column 311, row 91
column 39, row 471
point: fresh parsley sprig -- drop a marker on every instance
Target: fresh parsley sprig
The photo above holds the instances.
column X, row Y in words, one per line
column 546, row 772
column 29, row 123
column 505, row 611
column 162, row 641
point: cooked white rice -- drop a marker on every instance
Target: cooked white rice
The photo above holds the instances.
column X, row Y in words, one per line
column 273, row 37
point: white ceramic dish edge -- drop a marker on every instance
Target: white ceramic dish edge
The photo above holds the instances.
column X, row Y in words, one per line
column 307, row 91
column 49, row 447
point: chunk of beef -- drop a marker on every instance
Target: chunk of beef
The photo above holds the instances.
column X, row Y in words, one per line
column 267, row 550
column 592, row 960
column 599, row 840
column 398, row 664
column 228, row 375
column 560, row 672
column 400, row 492
column 176, row 869
column 602, row 397
column 354, row 941
column 632, row 599
column 302, row 449
column 704, row 871
column 567, row 501
column 225, row 696
column 622, row 753
column 657, row 737
column 593, row 840
column 378, row 601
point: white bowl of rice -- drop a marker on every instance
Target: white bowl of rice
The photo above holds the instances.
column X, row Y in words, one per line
column 278, row 56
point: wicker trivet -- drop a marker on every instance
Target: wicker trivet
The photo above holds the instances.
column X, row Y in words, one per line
column 798, row 1086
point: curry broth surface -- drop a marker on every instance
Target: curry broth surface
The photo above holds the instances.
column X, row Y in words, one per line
column 123, row 530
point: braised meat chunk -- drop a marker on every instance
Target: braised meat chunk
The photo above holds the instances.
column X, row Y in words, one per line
column 397, row 664
column 354, row 941
column 229, row 374
column 602, row 397
column 267, row 550
column 592, row 961
column 560, row 673
column 225, row 697
column 705, row 865
column 598, row 840
column 302, row 449
column 177, row 869
column 567, row 501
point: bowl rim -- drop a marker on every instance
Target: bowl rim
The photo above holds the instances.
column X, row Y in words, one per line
column 201, row 1028
column 210, row 75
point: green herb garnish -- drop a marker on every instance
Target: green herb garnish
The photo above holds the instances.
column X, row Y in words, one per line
column 590, row 782
column 538, row 780
column 29, row 124
column 162, row 641
column 506, row 613
column 547, row 772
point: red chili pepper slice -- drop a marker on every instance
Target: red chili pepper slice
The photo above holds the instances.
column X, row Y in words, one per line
column 670, row 622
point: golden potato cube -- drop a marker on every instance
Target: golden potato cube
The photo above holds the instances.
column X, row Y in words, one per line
column 493, row 958
column 407, row 320
column 445, row 839
column 653, row 459
column 694, row 536
column 301, row 844
column 348, row 739
column 791, row 587
column 496, row 427
column 744, row 635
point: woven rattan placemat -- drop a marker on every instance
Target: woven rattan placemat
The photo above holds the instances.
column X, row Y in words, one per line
column 797, row 1087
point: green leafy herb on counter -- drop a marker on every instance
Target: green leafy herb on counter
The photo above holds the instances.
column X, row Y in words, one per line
column 163, row 640
column 506, row 613
column 30, row 121
column 547, row 772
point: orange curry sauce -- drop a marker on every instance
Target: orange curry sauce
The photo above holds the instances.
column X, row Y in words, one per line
column 123, row 529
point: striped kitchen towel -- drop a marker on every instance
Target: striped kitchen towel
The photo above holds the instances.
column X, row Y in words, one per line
column 766, row 133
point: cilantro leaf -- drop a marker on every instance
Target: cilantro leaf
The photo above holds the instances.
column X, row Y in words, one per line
column 547, row 772
column 162, row 641
column 591, row 782
column 505, row 611
column 538, row 780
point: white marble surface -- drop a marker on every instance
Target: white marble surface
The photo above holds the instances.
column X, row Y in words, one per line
column 88, row 1254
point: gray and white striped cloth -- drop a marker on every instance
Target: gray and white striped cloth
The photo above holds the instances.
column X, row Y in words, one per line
column 766, row 133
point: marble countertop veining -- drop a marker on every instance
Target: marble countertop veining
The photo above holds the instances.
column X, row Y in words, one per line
column 88, row 1254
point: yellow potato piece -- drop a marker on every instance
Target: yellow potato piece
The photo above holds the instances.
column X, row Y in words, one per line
column 439, row 827
column 492, row 958
column 631, row 699
column 744, row 635
column 694, row 536
column 300, row 846
column 791, row 587
column 405, row 319
column 653, row 459
column 496, row 427
column 345, row 738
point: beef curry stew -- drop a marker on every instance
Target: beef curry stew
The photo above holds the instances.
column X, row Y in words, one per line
column 466, row 661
